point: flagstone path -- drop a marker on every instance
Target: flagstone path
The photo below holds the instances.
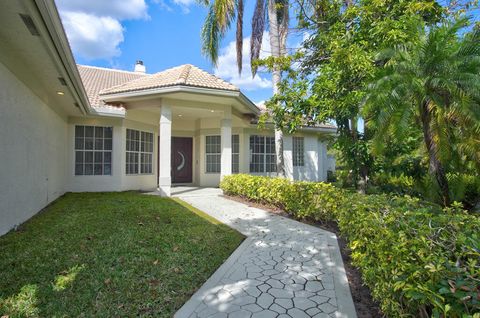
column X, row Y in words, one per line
column 283, row 269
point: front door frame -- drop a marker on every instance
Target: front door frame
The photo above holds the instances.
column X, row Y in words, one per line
column 188, row 163
column 171, row 147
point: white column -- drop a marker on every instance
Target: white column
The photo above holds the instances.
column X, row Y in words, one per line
column 165, row 148
column 226, row 137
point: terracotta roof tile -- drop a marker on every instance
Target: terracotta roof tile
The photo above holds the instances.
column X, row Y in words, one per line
column 97, row 78
column 185, row 75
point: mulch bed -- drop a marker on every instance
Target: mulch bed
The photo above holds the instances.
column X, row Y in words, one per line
column 365, row 306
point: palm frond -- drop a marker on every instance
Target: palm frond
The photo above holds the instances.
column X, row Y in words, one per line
column 258, row 26
column 224, row 13
column 218, row 20
column 441, row 68
column 211, row 36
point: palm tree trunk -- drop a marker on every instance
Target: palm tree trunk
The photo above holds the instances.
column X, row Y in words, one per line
column 275, row 47
column 361, row 178
column 435, row 166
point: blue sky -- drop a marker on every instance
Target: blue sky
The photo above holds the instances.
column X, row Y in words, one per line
column 162, row 33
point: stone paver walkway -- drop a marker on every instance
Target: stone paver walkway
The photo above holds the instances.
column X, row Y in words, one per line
column 283, row 269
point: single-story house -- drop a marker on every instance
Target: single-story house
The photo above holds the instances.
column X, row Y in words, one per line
column 68, row 127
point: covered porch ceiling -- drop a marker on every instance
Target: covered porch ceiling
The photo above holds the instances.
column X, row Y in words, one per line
column 35, row 49
column 191, row 106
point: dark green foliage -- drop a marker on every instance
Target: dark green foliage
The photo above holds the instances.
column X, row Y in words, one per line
column 418, row 259
column 431, row 84
column 109, row 255
column 340, row 60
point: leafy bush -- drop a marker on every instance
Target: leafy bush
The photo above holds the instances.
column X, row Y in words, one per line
column 417, row 259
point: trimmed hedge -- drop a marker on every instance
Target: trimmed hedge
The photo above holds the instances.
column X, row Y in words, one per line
column 417, row 259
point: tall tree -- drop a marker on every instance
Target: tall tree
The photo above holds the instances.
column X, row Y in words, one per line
column 433, row 82
column 220, row 16
column 337, row 63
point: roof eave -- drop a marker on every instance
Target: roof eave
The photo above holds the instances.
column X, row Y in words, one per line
column 111, row 97
column 108, row 112
column 62, row 53
column 328, row 130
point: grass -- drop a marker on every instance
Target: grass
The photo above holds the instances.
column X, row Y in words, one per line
column 110, row 254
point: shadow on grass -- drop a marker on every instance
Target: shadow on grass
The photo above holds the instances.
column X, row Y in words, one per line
column 109, row 254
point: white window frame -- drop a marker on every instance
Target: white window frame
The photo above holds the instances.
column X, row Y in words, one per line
column 268, row 162
column 212, row 153
column 140, row 148
column 101, row 156
column 235, row 154
column 298, row 151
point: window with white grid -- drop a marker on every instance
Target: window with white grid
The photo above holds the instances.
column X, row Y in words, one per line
column 298, row 152
column 235, row 153
column 139, row 154
column 270, row 157
column 93, row 150
column 262, row 154
column 213, row 154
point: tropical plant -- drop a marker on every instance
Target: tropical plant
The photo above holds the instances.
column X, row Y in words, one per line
column 432, row 82
column 337, row 64
column 418, row 259
column 221, row 14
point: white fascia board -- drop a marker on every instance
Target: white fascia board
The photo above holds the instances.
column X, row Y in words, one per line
column 329, row 130
column 165, row 90
column 184, row 89
column 108, row 112
column 249, row 104
column 60, row 51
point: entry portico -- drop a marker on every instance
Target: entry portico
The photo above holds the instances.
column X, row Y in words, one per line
column 191, row 105
column 182, row 126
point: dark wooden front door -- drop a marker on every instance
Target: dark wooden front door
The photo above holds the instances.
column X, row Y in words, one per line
column 181, row 160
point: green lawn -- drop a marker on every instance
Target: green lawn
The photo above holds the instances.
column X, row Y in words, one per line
column 110, row 254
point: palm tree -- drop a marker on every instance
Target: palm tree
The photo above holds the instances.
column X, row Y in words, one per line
column 433, row 83
column 221, row 13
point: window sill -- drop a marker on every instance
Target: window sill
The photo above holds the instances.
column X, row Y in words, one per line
column 93, row 175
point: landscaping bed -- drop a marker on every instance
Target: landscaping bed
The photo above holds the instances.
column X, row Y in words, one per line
column 110, row 255
column 417, row 259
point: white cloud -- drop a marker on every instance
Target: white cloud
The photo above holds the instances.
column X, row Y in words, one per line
column 261, row 104
column 93, row 37
column 227, row 66
column 117, row 9
column 94, row 28
column 183, row 4
column 163, row 4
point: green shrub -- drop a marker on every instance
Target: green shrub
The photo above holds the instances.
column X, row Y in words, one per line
column 464, row 187
column 417, row 259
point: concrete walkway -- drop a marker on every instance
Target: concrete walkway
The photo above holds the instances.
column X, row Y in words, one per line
column 283, row 269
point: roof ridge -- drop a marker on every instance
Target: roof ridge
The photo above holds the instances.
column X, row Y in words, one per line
column 113, row 69
column 185, row 73
column 125, row 83
column 213, row 74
